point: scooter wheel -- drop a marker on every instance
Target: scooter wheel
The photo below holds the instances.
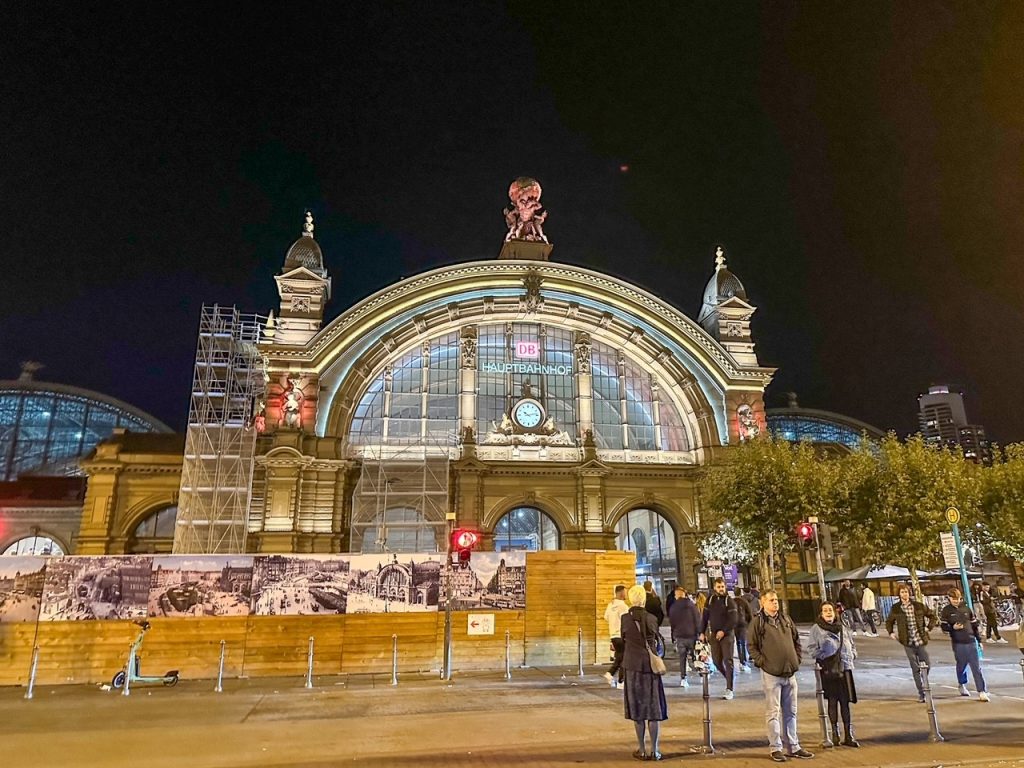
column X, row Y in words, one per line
column 171, row 681
column 118, row 681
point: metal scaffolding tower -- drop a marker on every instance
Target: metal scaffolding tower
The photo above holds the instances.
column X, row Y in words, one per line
column 401, row 500
column 216, row 477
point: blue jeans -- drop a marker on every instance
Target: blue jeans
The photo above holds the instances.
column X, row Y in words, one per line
column 780, row 694
column 966, row 655
column 915, row 655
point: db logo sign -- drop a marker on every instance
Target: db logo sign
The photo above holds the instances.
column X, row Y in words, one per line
column 527, row 350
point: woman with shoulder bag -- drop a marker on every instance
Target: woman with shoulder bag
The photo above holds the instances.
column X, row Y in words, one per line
column 830, row 645
column 644, row 694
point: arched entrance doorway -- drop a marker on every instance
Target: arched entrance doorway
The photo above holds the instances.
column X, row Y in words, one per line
column 525, row 528
column 653, row 539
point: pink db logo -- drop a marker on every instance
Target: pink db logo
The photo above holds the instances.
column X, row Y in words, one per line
column 527, row 350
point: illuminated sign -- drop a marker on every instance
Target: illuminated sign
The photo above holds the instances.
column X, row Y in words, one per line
column 527, row 350
column 556, row 370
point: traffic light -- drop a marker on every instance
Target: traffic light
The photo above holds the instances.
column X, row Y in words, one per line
column 805, row 534
column 463, row 541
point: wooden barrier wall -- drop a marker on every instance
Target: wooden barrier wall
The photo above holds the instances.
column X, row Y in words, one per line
column 566, row 590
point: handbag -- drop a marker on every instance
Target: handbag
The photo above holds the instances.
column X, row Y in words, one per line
column 657, row 663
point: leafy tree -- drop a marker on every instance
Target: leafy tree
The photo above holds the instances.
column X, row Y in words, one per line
column 1002, row 502
column 728, row 544
column 897, row 502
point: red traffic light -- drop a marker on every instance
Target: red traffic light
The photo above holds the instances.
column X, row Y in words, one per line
column 464, row 540
column 805, row 533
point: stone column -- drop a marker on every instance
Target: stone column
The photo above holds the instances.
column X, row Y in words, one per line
column 584, row 383
column 467, row 380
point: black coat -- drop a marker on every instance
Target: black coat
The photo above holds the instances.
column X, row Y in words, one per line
column 653, row 607
column 635, row 658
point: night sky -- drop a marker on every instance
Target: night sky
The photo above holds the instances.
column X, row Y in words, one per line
column 862, row 164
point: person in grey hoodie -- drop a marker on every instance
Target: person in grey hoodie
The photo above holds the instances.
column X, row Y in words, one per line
column 775, row 649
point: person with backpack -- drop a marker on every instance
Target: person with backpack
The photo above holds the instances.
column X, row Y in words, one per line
column 830, row 645
column 743, row 618
column 775, row 650
column 719, row 628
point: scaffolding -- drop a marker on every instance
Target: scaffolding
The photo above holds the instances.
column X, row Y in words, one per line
column 216, row 477
column 401, row 500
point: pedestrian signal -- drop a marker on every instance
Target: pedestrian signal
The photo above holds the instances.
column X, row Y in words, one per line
column 805, row 534
column 463, row 542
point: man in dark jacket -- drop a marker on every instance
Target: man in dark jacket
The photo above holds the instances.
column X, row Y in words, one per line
column 743, row 618
column 988, row 607
column 960, row 623
column 718, row 628
column 684, row 619
column 775, row 650
column 653, row 604
column 910, row 622
column 851, row 602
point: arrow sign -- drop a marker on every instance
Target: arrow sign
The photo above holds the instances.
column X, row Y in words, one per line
column 480, row 624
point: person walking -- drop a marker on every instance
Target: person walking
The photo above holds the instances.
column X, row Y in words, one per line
column 652, row 603
column 869, row 605
column 910, row 622
column 644, row 694
column 988, row 606
column 960, row 623
column 670, row 597
column 832, row 648
column 684, row 618
column 718, row 627
column 744, row 615
column 613, row 615
column 848, row 598
column 775, row 650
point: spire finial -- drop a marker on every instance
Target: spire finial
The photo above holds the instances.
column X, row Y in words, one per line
column 28, row 370
column 719, row 257
column 307, row 228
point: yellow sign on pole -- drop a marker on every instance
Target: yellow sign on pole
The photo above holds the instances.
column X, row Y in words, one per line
column 952, row 515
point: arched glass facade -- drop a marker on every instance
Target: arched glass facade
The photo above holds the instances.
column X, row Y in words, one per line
column 45, row 429
column 398, row 529
column 818, row 428
column 35, row 545
column 415, row 399
column 653, row 539
column 525, row 528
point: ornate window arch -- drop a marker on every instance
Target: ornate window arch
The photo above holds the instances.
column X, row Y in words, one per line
column 39, row 544
column 528, row 528
column 154, row 532
column 653, row 537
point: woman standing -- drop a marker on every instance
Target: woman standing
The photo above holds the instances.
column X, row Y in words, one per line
column 831, row 647
column 644, row 695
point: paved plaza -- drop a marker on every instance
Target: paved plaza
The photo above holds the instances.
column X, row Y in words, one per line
column 542, row 717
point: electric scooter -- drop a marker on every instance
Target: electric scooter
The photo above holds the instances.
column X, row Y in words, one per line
column 131, row 673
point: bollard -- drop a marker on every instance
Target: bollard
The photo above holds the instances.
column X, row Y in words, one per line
column 32, row 672
column 579, row 636
column 705, row 748
column 933, row 722
column 394, row 659
column 508, row 655
column 220, row 669
column 819, row 694
column 309, row 665
column 1022, row 660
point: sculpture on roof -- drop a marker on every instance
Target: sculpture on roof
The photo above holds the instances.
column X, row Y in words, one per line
column 525, row 217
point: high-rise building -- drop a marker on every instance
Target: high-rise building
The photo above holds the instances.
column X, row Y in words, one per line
column 943, row 421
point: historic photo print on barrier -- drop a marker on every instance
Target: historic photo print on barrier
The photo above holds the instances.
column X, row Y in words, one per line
column 83, row 588
column 200, row 585
column 394, row 583
column 493, row 580
column 21, row 588
column 299, row 585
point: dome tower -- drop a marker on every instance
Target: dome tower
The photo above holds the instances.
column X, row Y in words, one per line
column 304, row 287
column 726, row 312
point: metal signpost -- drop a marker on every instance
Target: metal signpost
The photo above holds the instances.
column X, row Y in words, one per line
column 817, row 557
column 953, row 518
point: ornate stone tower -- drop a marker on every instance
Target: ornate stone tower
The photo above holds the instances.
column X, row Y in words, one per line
column 304, row 288
column 726, row 313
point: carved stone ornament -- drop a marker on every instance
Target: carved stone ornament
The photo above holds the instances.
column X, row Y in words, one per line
column 533, row 301
column 300, row 304
column 747, row 423
column 525, row 217
column 583, row 349
column 291, row 403
column 468, row 346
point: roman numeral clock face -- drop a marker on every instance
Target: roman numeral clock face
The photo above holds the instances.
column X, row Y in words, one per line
column 528, row 414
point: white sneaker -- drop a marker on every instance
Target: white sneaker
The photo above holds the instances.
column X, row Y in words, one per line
column 983, row 696
column 1002, row 640
column 854, row 633
column 964, row 691
column 727, row 695
column 684, row 683
column 746, row 668
column 611, row 680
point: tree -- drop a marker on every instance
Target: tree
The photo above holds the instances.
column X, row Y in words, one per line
column 728, row 544
column 897, row 502
column 1002, row 502
column 766, row 487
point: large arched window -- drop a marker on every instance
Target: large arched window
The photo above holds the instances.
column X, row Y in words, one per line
column 653, row 539
column 155, row 533
column 525, row 528
column 397, row 529
column 35, row 545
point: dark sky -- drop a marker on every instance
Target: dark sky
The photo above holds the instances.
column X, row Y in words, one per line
column 861, row 162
